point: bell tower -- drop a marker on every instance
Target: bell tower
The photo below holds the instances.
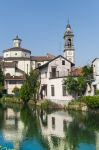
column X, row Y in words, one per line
column 69, row 51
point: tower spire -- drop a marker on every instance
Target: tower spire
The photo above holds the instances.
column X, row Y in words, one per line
column 68, row 27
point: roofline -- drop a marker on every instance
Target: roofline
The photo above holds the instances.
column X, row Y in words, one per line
column 46, row 64
column 94, row 59
column 17, row 58
column 40, row 60
column 20, row 49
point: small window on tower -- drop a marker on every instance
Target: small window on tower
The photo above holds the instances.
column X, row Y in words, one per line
column 63, row 62
column 69, row 42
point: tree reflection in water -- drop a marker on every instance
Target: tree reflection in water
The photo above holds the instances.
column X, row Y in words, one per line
column 70, row 134
column 55, row 130
column 32, row 128
column 83, row 129
column 1, row 116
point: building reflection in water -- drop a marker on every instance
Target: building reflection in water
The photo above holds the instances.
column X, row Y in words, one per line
column 55, row 131
column 13, row 127
column 56, row 123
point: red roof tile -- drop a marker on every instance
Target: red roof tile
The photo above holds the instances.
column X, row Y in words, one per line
column 43, row 58
column 77, row 72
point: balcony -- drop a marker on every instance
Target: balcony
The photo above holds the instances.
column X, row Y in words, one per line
column 58, row 74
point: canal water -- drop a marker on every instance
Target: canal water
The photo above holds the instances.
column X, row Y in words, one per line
column 24, row 128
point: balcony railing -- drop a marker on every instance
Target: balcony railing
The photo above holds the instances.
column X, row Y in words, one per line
column 58, row 74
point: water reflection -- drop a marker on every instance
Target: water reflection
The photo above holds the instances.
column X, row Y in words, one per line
column 11, row 131
column 57, row 124
column 28, row 129
column 32, row 130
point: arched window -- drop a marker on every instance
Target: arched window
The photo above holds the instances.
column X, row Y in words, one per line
column 69, row 43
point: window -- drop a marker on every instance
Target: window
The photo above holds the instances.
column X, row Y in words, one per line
column 16, row 82
column 12, row 82
column 15, row 53
column 53, row 73
column 53, row 122
column 52, row 90
column 64, row 90
column 64, row 125
column 69, row 42
column 63, row 62
column 20, row 82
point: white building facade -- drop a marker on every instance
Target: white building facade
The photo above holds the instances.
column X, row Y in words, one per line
column 52, row 78
column 17, row 62
column 95, row 65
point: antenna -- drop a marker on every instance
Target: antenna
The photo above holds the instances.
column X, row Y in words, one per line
column 68, row 20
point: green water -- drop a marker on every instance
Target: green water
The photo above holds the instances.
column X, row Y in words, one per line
column 24, row 128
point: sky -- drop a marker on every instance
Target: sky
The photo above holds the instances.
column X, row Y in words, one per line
column 41, row 25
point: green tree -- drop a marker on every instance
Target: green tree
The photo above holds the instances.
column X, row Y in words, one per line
column 82, row 85
column 33, row 82
column 1, row 76
column 25, row 92
column 16, row 91
column 71, row 85
column 78, row 85
column 87, row 71
column 75, row 86
column 30, row 87
column 1, row 81
column 88, row 74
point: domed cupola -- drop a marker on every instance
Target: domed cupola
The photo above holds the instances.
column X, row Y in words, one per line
column 17, row 42
column 16, row 51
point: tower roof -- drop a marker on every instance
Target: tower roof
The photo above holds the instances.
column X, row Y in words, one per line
column 68, row 31
column 68, row 26
column 17, row 38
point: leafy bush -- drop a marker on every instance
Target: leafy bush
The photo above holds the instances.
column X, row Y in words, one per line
column 91, row 101
column 97, row 92
column 77, row 105
column 25, row 92
column 49, row 105
column 16, row 91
